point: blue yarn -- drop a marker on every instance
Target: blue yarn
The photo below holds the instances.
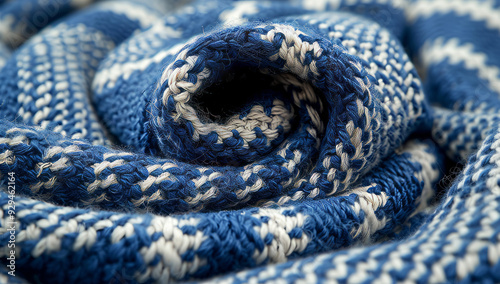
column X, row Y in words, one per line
column 249, row 141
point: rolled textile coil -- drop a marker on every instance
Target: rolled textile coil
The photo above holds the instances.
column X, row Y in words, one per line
column 146, row 149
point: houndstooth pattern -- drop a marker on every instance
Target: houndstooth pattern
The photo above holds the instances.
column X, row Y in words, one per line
column 250, row 141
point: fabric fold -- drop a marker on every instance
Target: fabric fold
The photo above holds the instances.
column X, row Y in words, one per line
column 247, row 141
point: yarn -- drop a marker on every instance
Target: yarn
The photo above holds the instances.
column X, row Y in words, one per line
column 249, row 141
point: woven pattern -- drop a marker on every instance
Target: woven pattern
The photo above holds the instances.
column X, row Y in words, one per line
column 250, row 141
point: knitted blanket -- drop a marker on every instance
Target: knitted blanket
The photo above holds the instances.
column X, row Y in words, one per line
column 250, row 141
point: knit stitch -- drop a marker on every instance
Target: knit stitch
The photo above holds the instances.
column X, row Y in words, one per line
column 250, row 141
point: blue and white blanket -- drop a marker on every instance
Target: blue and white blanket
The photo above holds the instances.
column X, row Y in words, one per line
column 250, row 141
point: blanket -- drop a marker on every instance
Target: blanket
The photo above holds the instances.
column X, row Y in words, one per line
column 290, row 141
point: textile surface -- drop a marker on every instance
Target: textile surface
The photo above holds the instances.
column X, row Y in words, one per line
column 250, row 141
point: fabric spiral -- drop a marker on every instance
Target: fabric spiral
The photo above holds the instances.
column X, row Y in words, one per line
column 249, row 141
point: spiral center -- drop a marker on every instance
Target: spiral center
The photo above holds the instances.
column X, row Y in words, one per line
column 217, row 107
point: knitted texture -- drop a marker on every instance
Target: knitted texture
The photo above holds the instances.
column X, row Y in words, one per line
column 250, row 141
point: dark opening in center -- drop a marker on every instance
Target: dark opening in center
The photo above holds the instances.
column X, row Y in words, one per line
column 235, row 93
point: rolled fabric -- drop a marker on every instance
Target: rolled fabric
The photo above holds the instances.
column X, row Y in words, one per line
column 323, row 116
column 224, row 136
